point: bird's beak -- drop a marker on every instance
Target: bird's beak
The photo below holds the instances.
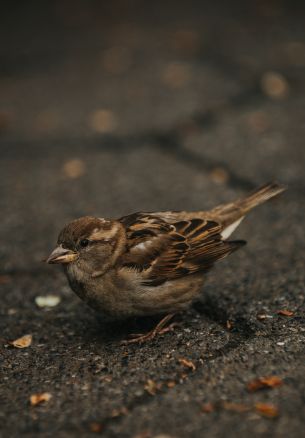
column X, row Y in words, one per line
column 62, row 255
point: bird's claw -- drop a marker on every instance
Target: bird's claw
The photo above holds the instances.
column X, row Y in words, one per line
column 140, row 338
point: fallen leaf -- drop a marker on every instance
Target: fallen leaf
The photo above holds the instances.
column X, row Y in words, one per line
column 267, row 410
column 235, row 407
column 274, row 85
column 74, row 168
column 171, row 384
column 219, row 175
column 285, row 312
column 47, row 300
column 23, row 342
column 119, row 412
column 37, row 399
column 152, row 387
column 229, row 325
column 207, row 408
column 264, row 382
column 103, row 121
column 187, row 363
column 107, row 378
column 96, row 427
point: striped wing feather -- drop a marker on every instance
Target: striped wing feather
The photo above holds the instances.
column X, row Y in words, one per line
column 165, row 251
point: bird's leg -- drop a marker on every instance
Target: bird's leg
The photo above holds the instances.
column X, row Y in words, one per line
column 158, row 330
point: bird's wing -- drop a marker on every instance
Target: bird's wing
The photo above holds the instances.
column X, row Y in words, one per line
column 165, row 251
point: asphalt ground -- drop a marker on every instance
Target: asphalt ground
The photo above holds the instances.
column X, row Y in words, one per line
column 110, row 109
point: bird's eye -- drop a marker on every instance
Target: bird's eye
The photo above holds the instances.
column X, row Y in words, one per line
column 84, row 242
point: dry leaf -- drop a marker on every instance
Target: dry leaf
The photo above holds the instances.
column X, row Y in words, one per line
column 103, row 121
column 207, row 408
column 47, row 300
column 171, row 384
column 187, row 363
column 152, row 387
column 119, row 412
column 235, row 407
column 96, row 427
column 274, row 85
column 219, row 175
column 107, row 378
column 264, row 382
column 23, row 342
column 74, row 168
column 229, row 325
column 37, row 399
column 267, row 410
column 285, row 312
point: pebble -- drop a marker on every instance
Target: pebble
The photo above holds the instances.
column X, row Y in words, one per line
column 47, row 301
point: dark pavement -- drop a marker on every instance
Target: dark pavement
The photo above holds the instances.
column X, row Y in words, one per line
column 109, row 109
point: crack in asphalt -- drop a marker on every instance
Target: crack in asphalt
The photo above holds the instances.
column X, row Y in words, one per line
column 169, row 141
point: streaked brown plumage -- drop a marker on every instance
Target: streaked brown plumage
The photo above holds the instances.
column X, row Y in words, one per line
column 149, row 263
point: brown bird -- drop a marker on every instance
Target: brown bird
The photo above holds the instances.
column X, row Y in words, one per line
column 150, row 263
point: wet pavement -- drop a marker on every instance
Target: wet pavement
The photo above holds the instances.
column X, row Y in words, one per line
column 110, row 109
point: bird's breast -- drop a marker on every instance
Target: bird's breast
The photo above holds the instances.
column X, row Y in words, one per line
column 122, row 295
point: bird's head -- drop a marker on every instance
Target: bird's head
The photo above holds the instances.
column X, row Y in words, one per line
column 90, row 243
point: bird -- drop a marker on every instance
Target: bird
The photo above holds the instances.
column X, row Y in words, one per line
column 150, row 263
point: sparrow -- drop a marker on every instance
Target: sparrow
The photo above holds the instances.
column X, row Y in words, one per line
column 150, row 263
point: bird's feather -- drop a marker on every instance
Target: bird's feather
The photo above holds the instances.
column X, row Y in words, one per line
column 165, row 251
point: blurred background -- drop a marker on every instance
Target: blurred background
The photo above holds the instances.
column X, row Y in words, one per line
column 111, row 107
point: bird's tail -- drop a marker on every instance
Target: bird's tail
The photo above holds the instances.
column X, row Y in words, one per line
column 229, row 215
column 233, row 212
column 259, row 196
